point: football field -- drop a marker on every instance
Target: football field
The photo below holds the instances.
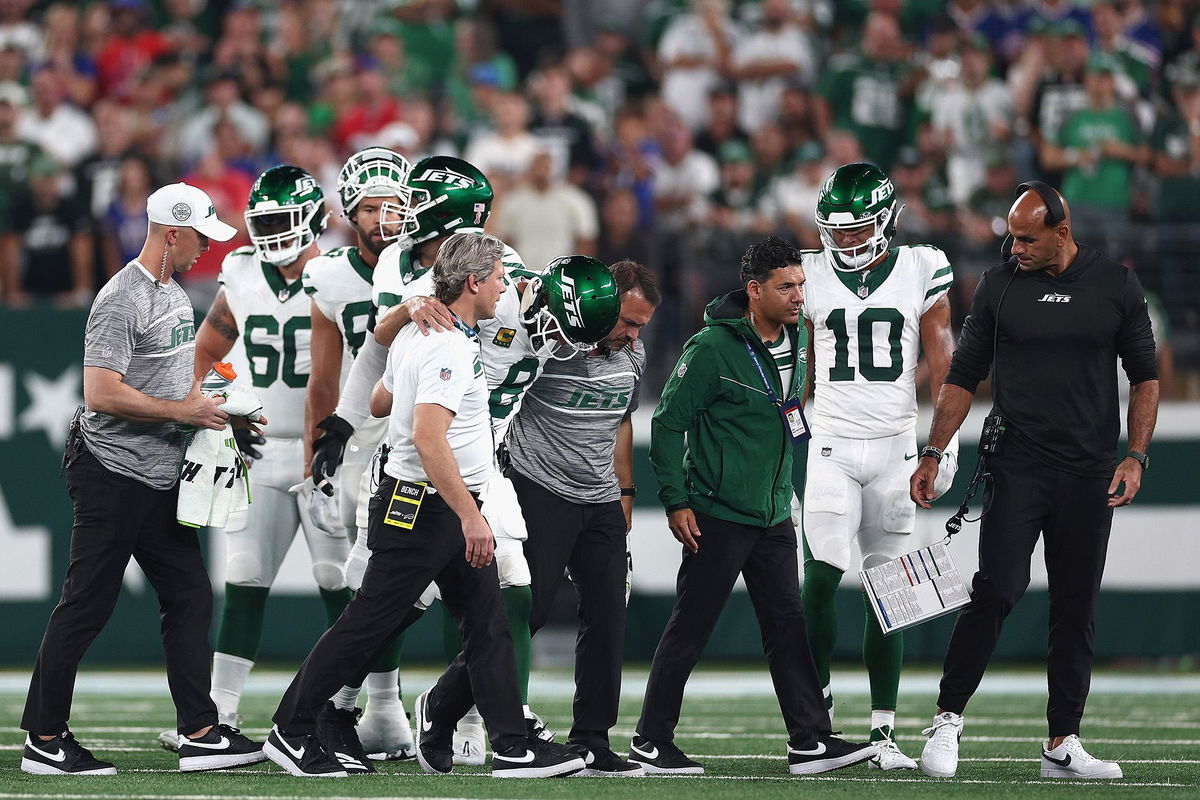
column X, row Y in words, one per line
column 730, row 723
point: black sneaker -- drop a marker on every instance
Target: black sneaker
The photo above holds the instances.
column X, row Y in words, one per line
column 827, row 752
column 601, row 762
column 222, row 747
column 302, row 756
column 338, row 736
column 435, row 745
column 536, row 728
column 536, row 758
column 62, row 755
column 662, row 757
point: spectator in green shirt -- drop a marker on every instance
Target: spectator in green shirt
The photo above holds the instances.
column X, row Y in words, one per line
column 1177, row 164
column 864, row 92
column 1098, row 146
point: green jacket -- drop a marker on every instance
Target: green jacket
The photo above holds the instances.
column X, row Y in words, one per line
column 736, row 464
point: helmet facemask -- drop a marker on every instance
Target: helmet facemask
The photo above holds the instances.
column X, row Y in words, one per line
column 856, row 257
column 546, row 334
column 281, row 233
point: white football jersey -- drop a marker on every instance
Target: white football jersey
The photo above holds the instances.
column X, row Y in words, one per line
column 397, row 269
column 275, row 328
column 509, row 363
column 339, row 282
column 867, row 339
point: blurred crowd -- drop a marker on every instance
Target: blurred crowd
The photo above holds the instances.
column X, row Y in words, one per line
column 670, row 131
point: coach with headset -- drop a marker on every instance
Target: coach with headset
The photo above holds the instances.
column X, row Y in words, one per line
column 1052, row 320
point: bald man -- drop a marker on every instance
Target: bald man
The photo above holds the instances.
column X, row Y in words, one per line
column 1049, row 323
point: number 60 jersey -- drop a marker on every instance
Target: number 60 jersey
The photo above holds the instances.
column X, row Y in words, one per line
column 272, row 352
column 867, row 339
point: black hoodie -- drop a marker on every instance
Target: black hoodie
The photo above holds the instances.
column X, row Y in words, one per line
column 1055, row 358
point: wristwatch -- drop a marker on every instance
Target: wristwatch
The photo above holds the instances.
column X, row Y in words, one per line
column 929, row 451
column 1141, row 458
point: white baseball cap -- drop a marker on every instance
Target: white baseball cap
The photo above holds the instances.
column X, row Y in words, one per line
column 184, row 206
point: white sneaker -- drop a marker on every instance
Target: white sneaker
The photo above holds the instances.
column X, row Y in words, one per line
column 939, row 758
column 169, row 740
column 470, row 748
column 385, row 734
column 1070, row 760
column 887, row 753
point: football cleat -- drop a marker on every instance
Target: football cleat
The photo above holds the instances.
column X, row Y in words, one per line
column 888, row 755
column 62, row 755
column 385, row 733
column 301, row 756
column 337, row 734
column 169, row 740
column 536, row 728
column 939, row 757
column 825, row 753
column 662, row 757
column 470, row 745
column 222, row 747
column 1070, row 760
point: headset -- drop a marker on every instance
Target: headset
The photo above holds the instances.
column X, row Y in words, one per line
column 1055, row 213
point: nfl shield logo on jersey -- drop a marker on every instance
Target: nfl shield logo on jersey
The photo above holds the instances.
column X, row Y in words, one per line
column 444, row 374
column 825, row 451
column 283, row 295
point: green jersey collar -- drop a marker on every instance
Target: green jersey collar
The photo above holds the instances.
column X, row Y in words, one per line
column 283, row 290
column 864, row 282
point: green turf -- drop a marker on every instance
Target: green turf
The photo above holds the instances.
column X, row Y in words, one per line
column 737, row 736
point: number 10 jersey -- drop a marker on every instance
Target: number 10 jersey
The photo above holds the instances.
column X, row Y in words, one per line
column 867, row 339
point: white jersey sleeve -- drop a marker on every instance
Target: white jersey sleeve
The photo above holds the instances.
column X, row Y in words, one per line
column 272, row 353
column 867, row 339
column 339, row 283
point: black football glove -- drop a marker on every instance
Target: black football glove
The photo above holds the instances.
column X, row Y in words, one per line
column 328, row 450
column 248, row 442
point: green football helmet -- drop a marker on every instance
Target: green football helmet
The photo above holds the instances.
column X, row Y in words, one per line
column 373, row 172
column 286, row 214
column 854, row 196
column 570, row 307
column 448, row 195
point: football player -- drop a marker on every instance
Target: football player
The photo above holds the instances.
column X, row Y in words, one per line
column 371, row 183
column 871, row 310
column 442, row 195
column 260, row 319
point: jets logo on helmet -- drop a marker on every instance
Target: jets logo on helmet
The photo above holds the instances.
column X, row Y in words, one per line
column 856, row 199
column 377, row 172
column 570, row 307
column 447, row 195
column 285, row 214
column 446, row 176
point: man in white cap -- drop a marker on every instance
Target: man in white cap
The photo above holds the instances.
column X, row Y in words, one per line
column 122, row 464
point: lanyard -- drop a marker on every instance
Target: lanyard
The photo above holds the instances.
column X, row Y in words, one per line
column 761, row 372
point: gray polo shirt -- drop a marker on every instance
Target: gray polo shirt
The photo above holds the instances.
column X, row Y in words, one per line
column 146, row 331
column 564, row 437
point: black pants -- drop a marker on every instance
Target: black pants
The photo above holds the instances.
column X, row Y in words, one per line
column 402, row 564
column 589, row 541
column 1029, row 498
column 766, row 557
column 117, row 517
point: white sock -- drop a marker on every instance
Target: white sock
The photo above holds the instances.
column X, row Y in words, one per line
column 383, row 689
column 882, row 718
column 472, row 717
column 828, row 694
column 528, row 713
column 346, row 698
column 229, row 675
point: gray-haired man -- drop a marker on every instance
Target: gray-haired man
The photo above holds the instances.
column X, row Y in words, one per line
column 425, row 525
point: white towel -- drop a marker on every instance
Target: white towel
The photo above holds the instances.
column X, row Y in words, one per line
column 214, row 482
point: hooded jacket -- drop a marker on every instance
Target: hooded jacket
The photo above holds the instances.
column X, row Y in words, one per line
column 736, row 462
